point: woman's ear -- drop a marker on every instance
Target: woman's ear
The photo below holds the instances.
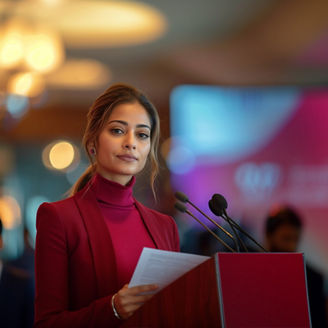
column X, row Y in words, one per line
column 92, row 149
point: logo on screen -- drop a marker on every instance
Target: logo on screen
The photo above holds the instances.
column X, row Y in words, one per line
column 258, row 180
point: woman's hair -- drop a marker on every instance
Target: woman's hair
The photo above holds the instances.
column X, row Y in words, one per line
column 98, row 116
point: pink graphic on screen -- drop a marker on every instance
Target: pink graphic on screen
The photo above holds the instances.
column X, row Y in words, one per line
column 259, row 147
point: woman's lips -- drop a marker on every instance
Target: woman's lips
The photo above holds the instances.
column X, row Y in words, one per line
column 127, row 158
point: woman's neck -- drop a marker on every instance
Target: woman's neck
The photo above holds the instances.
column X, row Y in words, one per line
column 112, row 192
column 118, row 178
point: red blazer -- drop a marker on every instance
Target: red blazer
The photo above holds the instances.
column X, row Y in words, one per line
column 75, row 262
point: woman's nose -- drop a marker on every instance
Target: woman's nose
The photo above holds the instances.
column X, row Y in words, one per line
column 129, row 141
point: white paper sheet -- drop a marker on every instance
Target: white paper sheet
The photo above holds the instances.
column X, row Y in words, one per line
column 163, row 267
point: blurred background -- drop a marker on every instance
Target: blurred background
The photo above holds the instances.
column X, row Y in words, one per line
column 241, row 88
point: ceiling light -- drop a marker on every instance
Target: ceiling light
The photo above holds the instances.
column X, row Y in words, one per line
column 96, row 23
column 80, row 74
column 44, row 51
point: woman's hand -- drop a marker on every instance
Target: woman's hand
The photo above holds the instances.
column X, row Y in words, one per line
column 128, row 300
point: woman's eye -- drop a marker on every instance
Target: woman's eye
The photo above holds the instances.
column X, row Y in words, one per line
column 143, row 135
column 116, row 131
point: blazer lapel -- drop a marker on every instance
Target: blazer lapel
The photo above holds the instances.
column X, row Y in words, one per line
column 152, row 226
column 100, row 241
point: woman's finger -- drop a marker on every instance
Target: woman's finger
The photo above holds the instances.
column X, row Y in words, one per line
column 128, row 300
column 133, row 299
column 138, row 289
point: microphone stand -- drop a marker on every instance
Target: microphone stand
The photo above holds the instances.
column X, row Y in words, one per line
column 183, row 209
column 236, row 225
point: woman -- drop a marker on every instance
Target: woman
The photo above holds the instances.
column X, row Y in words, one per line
column 87, row 246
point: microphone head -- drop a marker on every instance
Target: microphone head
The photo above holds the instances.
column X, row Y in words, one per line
column 180, row 207
column 181, row 197
column 220, row 201
column 217, row 210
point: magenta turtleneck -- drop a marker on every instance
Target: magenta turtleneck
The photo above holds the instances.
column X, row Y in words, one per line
column 127, row 230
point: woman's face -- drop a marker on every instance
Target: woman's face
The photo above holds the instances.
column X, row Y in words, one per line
column 124, row 143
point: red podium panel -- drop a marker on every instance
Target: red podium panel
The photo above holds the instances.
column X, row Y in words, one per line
column 233, row 290
column 263, row 290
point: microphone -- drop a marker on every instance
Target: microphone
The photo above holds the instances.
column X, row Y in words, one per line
column 217, row 209
column 184, row 199
column 182, row 208
column 218, row 206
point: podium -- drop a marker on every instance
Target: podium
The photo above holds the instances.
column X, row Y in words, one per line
column 233, row 290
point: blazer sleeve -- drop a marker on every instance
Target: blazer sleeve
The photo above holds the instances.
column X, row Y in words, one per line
column 51, row 269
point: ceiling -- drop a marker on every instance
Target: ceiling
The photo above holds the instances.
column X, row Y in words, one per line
column 207, row 42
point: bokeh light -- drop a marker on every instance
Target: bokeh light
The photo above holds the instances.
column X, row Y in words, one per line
column 180, row 159
column 12, row 44
column 26, row 84
column 10, row 212
column 17, row 105
column 44, row 51
column 60, row 155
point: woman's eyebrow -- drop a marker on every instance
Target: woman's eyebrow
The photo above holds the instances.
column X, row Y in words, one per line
column 126, row 123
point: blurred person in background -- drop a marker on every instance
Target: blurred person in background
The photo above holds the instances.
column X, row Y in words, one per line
column 26, row 260
column 87, row 246
column 16, row 295
column 283, row 230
